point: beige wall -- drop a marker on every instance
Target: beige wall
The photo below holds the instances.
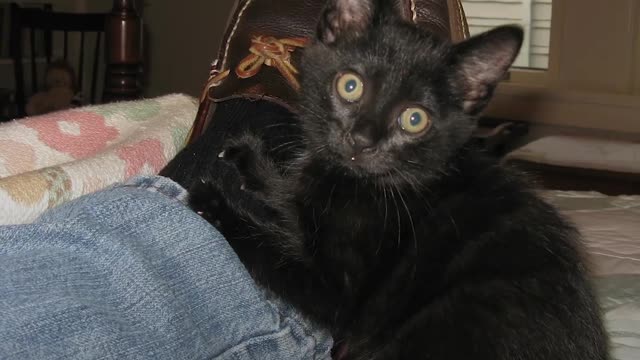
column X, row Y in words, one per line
column 182, row 39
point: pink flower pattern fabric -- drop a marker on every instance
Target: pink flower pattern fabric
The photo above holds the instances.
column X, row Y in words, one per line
column 146, row 152
column 50, row 159
column 77, row 133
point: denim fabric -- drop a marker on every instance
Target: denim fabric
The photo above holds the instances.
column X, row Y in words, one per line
column 131, row 273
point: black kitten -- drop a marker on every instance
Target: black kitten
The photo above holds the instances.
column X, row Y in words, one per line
column 387, row 228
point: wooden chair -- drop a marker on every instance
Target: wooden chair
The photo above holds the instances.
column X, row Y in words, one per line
column 122, row 29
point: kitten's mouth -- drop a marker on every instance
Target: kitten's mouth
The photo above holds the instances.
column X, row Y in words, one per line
column 364, row 164
column 367, row 166
column 359, row 163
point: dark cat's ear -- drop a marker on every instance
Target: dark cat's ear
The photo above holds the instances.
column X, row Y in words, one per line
column 481, row 62
column 345, row 18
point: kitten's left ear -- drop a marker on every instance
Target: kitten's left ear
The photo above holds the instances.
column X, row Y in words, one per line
column 481, row 62
column 345, row 18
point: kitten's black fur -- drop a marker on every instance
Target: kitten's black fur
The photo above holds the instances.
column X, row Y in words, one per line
column 419, row 247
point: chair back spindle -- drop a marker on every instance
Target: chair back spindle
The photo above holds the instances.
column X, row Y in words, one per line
column 43, row 23
column 34, row 70
column 119, row 33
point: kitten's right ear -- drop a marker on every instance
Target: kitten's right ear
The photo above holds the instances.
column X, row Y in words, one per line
column 345, row 18
column 481, row 62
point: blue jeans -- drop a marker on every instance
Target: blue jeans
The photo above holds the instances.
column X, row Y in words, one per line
column 132, row 273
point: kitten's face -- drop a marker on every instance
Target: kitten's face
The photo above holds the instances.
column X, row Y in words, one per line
column 383, row 99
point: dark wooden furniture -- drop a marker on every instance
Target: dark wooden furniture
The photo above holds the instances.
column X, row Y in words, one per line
column 124, row 52
column 122, row 29
column 5, row 98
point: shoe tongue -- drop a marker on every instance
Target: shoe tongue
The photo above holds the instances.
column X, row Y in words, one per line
column 262, row 48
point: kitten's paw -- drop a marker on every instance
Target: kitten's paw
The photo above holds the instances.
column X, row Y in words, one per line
column 207, row 201
column 240, row 154
column 245, row 158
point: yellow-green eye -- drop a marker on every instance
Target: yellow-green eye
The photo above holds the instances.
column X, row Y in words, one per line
column 414, row 120
column 350, row 87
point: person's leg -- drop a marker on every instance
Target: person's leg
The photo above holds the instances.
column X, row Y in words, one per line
column 131, row 272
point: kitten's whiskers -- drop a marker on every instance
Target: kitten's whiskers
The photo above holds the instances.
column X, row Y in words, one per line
column 326, row 208
column 393, row 196
column 384, row 224
column 413, row 229
column 281, row 124
column 286, row 145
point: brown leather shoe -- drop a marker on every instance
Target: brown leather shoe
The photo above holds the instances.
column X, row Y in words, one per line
column 258, row 56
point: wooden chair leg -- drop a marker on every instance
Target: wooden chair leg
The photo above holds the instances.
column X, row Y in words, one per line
column 124, row 53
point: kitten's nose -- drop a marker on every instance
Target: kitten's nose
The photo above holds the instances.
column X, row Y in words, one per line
column 360, row 141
